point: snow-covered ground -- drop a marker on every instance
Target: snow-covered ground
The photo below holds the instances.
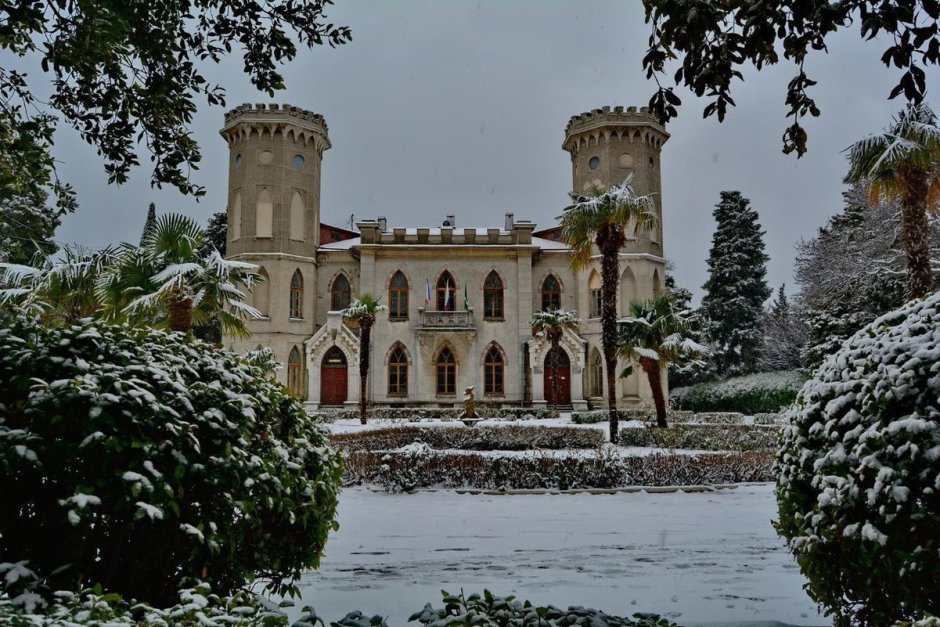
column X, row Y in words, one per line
column 698, row 558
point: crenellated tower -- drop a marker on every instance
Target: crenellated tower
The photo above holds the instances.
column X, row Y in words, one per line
column 275, row 154
column 608, row 144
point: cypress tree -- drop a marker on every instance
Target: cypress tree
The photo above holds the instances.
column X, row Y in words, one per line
column 149, row 223
column 736, row 288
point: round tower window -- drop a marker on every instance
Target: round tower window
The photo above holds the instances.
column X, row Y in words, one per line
column 238, row 160
column 593, row 163
column 266, row 157
column 299, row 161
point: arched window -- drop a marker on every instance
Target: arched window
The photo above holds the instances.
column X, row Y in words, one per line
column 295, row 373
column 493, row 297
column 264, row 214
column 446, row 292
column 398, row 297
column 596, row 374
column 493, row 372
column 398, row 372
column 657, row 288
column 237, row 216
column 551, row 293
column 446, row 372
column 340, row 293
column 261, row 293
column 297, row 225
column 595, row 296
column 297, row 295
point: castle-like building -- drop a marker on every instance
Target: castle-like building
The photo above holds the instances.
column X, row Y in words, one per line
column 460, row 297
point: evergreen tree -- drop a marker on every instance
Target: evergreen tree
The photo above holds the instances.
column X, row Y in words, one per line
column 149, row 223
column 784, row 335
column 27, row 224
column 736, row 288
column 683, row 373
column 216, row 234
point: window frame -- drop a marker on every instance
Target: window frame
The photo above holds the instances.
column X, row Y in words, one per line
column 398, row 297
column 397, row 370
column 296, row 303
column 448, row 369
column 550, row 295
column 334, row 293
column 491, row 294
column 441, row 292
column 494, row 372
column 295, row 373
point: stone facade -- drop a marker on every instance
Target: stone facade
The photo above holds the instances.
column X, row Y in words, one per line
column 475, row 331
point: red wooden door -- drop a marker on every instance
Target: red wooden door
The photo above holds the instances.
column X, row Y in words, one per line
column 333, row 378
column 564, row 379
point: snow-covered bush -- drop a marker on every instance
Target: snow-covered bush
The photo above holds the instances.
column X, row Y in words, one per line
column 704, row 437
column 139, row 460
column 483, row 410
column 859, row 472
column 646, row 414
column 403, row 471
column 492, row 611
column 714, row 418
column 764, row 392
column 479, row 438
column 770, row 419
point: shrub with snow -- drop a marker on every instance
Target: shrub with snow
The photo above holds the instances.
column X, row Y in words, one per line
column 481, row 438
column 765, row 392
column 137, row 459
column 859, row 472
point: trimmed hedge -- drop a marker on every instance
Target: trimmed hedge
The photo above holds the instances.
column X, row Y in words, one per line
column 764, row 392
column 478, row 438
column 420, row 467
column 704, row 437
column 645, row 414
column 421, row 413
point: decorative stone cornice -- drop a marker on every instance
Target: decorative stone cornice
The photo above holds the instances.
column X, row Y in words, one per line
column 293, row 122
column 601, row 124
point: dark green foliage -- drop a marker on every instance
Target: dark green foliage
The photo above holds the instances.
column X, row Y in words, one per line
column 784, row 336
column 736, row 288
column 715, row 41
column 139, row 460
column 705, row 437
column 216, row 234
column 492, row 611
column 128, row 73
column 421, row 467
column 27, row 226
column 858, row 469
column 479, row 438
column 765, row 392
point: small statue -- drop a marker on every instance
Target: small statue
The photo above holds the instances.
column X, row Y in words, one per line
column 468, row 410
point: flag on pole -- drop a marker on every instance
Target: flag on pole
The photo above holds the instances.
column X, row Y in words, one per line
column 447, row 304
column 466, row 299
column 427, row 293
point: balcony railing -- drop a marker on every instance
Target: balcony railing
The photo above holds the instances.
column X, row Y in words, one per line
column 445, row 320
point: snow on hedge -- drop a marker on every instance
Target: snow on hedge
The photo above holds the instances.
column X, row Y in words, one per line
column 859, row 471
column 764, row 392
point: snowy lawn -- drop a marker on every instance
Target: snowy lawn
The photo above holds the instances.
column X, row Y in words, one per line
column 697, row 558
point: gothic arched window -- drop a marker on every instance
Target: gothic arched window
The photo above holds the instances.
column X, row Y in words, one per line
column 398, row 372
column 493, row 372
column 596, row 374
column 297, row 295
column 294, row 373
column 595, row 296
column 340, row 293
column 493, row 297
column 446, row 292
column 398, row 297
column 446, row 372
column 551, row 293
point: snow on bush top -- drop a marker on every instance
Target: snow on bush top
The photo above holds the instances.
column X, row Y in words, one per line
column 137, row 456
column 859, row 471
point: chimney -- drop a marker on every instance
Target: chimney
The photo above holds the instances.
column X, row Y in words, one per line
column 509, row 222
column 449, row 221
column 383, row 224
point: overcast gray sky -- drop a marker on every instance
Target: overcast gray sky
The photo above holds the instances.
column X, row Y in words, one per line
column 452, row 107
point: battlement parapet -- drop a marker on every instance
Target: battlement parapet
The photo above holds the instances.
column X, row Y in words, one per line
column 613, row 116
column 277, row 118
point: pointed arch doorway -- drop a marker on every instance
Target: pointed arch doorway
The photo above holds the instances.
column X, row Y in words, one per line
column 563, row 374
column 334, row 377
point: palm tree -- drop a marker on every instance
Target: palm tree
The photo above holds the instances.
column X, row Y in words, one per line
column 168, row 282
column 60, row 290
column 363, row 311
column 903, row 163
column 602, row 219
column 552, row 324
column 655, row 335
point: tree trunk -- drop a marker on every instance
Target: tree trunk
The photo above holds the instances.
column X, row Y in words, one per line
column 554, row 362
column 915, row 231
column 609, row 240
column 365, row 331
column 181, row 313
column 654, row 374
